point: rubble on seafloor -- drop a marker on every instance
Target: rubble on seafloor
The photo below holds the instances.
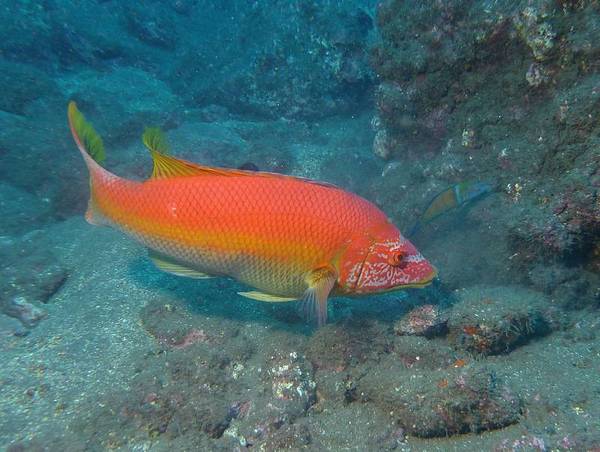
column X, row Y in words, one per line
column 216, row 382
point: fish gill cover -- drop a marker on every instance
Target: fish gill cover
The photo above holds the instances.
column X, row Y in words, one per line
column 399, row 102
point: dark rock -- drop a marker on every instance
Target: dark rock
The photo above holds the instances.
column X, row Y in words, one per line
column 22, row 211
column 23, row 84
column 291, row 76
column 570, row 286
column 20, row 309
column 184, row 7
column 147, row 101
column 492, row 321
column 442, row 403
column 291, row 383
column 335, row 347
column 26, row 32
column 191, row 396
column 10, row 326
column 27, row 145
column 151, row 24
column 171, row 324
column 213, row 113
column 547, row 278
column 29, row 275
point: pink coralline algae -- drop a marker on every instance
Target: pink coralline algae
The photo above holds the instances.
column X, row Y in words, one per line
column 425, row 320
column 193, row 337
column 523, row 443
column 239, row 410
column 436, row 122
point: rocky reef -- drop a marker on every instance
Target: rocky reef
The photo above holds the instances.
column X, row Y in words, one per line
column 248, row 60
column 504, row 92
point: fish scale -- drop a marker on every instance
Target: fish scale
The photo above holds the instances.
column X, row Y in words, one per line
column 264, row 232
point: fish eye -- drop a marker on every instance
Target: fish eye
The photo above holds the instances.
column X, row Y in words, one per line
column 396, row 258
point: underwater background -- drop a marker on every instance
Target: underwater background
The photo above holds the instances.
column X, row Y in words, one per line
column 474, row 124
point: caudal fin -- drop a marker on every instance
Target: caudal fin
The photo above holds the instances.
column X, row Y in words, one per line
column 87, row 139
column 92, row 149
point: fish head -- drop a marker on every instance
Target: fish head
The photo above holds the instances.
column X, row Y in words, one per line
column 381, row 261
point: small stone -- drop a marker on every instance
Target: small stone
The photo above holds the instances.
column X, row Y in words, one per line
column 425, row 321
column 536, row 75
column 10, row 326
column 440, row 403
column 468, row 138
column 381, row 145
column 291, row 382
column 24, row 311
column 496, row 320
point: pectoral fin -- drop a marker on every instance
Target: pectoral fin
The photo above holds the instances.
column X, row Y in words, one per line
column 260, row 296
column 314, row 303
column 176, row 268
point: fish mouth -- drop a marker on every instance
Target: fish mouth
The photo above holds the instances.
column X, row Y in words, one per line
column 428, row 279
column 416, row 285
column 422, row 282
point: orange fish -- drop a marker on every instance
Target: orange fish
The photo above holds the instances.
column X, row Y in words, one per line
column 288, row 237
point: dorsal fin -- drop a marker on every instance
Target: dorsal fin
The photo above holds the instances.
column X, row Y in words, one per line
column 166, row 166
column 155, row 140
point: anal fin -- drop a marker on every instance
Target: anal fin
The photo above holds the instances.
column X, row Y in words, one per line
column 314, row 303
column 175, row 268
column 260, row 296
column 93, row 216
column 90, row 217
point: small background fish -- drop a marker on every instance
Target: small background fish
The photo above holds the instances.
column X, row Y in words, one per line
column 455, row 196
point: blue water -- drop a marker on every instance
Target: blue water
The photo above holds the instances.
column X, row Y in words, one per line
column 400, row 102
